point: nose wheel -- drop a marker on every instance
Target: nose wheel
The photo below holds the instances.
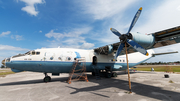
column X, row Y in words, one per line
column 47, row 78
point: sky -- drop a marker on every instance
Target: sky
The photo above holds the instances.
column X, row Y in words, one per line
column 33, row 24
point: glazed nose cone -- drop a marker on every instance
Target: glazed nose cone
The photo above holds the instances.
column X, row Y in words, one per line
column 4, row 62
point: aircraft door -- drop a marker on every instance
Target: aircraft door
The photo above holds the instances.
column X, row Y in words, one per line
column 94, row 62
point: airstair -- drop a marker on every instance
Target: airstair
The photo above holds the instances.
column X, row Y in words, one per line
column 96, row 71
column 168, row 69
column 78, row 70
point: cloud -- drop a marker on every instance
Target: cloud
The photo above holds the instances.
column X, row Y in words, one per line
column 40, row 31
column 8, row 51
column 17, row 37
column 73, row 33
column 3, row 34
column 166, row 15
column 112, row 13
column 86, row 45
column 155, row 17
column 101, row 9
column 78, row 42
column 12, row 48
column 55, row 35
column 71, row 39
column 30, row 6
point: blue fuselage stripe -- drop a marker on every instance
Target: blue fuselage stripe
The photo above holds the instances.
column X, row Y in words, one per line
column 61, row 67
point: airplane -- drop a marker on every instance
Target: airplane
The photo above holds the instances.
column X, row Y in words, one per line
column 109, row 58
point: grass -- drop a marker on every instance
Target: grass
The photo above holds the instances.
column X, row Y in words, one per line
column 158, row 68
column 5, row 72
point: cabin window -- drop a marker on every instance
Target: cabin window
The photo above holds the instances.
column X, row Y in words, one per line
column 120, row 60
column 123, row 60
column 60, row 58
column 68, row 58
column 51, row 58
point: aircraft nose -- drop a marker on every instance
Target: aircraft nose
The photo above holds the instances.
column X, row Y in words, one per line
column 4, row 62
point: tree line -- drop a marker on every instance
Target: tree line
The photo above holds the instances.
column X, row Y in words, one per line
column 161, row 63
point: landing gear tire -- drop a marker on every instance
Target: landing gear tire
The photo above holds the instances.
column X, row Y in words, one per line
column 114, row 74
column 47, row 79
column 108, row 75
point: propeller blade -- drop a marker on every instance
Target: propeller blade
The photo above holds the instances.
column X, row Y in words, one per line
column 135, row 19
column 115, row 32
column 121, row 46
column 137, row 47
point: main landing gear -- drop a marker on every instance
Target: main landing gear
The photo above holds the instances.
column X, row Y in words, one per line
column 106, row 73
column 47, row 78
column 109, row 72
column 114, row 74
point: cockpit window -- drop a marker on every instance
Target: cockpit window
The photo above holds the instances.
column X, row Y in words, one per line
column 18, row 55
column 37, row 53
column 8, row 60
column 28, row 53
column 33, row 53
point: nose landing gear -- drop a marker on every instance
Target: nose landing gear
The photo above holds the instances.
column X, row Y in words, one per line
column 47, row 78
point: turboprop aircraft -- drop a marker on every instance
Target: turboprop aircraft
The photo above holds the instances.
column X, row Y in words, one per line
column 139, row 48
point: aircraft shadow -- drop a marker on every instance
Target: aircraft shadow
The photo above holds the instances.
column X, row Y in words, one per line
column 61, row 79
column 137, row 88
column 131, row 72
column 34, row 81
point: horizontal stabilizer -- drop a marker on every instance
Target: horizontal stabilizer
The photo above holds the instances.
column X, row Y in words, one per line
column 164, row 53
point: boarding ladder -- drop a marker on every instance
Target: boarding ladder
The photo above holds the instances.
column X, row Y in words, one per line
column 78, row 70
column 168, row 69
column 97, row 72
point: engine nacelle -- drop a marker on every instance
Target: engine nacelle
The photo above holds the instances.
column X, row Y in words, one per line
column 143, row 40
column 108, row 49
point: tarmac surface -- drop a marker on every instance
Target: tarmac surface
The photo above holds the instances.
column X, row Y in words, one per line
column 146, row 86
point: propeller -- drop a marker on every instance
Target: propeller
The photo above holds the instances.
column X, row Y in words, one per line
column 125, row 39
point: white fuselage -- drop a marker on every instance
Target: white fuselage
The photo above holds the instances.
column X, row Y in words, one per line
column 60, row 60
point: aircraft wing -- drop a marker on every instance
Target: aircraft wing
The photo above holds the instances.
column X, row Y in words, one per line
column 162, row 38
column 166, row 37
